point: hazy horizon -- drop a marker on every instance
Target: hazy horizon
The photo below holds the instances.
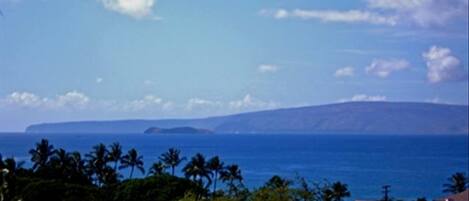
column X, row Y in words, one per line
column 148, row 59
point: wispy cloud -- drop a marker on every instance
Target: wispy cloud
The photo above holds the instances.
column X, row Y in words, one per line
column 422, row 13
column 357, row 51
column 267, row 68
column 442, row 66
column 350, row 16
column 384, row 67
column 248, row 102
column 364, row 97
column 345, row 72
column 199, row 103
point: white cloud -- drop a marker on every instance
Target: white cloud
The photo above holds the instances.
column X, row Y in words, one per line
column 350, row 16
column 443, row 66
column 147, row 102
column 383, row 68
column 99, row 80
column 134, row 8
column 23, row 99
column 424, row 12
column 70, row 100
column 195, row 103
column 267, row 68
column 345, row 72
column 385, row 12
column 249, row 102
column 364, row 97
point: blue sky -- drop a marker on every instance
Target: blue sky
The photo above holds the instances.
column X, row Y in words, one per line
column 116, row 59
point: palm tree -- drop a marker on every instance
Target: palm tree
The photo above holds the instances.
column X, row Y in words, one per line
column 78, row 170
column 3, row 172
column 277, row 182
column 77, row 164
column 97, row 162
column 172, row 158
column 458, row 183
column 232, row 174
column 110, row 176
column 2, row 165
column 216, row 166
column 12, row 166
column 41, row 154
column 132, row 160
column 115, row 154
column 339, row 191
column 8, row 173
column 157, row 168
column 197, row 170
column 61, row 160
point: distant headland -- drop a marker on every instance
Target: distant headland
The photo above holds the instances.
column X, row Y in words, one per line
column 392, row 118
column 177, row 130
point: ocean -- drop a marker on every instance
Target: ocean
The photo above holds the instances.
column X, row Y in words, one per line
column 414, row 166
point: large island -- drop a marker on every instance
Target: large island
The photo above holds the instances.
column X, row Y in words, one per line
column 343, row 118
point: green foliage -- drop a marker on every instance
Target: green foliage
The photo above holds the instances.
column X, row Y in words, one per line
column 52, row 190
column 157, row 188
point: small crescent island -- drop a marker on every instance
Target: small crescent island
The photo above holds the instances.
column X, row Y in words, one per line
column 177, row 130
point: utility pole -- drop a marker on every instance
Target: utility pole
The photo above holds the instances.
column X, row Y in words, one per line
column 386, row 193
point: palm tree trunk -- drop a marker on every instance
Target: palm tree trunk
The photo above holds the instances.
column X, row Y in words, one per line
column 172, row 170
column 115, row 165
column 215, row 182
column 131, row 172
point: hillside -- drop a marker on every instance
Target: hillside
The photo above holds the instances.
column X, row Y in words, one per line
column 341, row 118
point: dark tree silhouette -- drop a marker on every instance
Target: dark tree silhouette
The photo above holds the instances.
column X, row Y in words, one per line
column 458, row 183
column 78, row 172
column 172, row 159
column 421, row 199
column 41, row 154
column 115, row 154
column 61, row 161
column 278, row 182
column 9, row 173
column 197, row 170
column 216, row 166
column 12, row 166
column 132, row 160
column 97, row 162
column 339, row 191
column 157, row 169
column 232, row 176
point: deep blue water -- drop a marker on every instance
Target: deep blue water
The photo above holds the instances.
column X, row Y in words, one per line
column 414, row 166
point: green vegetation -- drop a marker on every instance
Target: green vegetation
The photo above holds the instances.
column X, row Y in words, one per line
column 58, row 175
